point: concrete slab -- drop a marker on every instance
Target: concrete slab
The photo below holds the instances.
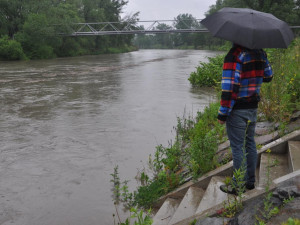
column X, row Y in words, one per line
column 223, row 146
column 263, row 128
column 277, row 165
column 294, row 155
column 280, row 145
column 265, row 139
column 202, row 182
column 165, row 213
column 213, row 195
column 188, row 205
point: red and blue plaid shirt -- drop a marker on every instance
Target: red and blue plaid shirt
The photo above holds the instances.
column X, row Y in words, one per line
column 244, row 70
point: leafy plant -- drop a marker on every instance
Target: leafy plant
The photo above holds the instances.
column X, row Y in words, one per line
column 10, row 49
column 281, row 96
column 139, row 217
column 120, row 190
column 208, row 74
column 268, row 210
column 292, row 221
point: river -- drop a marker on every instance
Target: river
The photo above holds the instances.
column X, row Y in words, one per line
column 66, row 123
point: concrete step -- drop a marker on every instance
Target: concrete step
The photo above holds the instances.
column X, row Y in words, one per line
column 277, row 164
column 166, row 211
column 188, row 205
column 213, row 195
column 294, row 155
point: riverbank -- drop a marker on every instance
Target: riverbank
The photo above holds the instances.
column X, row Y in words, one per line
column 13, row 50
column 194, row 150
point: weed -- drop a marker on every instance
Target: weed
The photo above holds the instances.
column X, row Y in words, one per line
column 269, row 210
column 280, row 97
column 193, row 222
column 120, row 190
column 288, row 200
column 139, row 217
column 238, row 183
column 233, row 206
column 292, row 221
column 116, row 184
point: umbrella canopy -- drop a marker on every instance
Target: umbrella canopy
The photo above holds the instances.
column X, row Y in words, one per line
column 249, row 28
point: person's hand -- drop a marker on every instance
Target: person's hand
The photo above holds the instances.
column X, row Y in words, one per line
column 221, row 122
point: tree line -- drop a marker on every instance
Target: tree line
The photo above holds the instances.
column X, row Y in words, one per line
column 28, row 29
column 287, row 10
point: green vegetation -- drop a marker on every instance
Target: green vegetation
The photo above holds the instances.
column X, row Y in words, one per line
column 208, row 74
column 269, row 210
column 139, row 217
column 280, row 97
column 292, row 221
column 10, row 49
column 235, row 205
column 29, row 29
column 193, row 152
column 288, row 11
column 35, row 25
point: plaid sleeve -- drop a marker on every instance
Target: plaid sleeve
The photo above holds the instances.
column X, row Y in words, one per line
column 230, row 84
column 268, row 73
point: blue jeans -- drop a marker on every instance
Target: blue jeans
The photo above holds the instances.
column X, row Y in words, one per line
column 240, row 126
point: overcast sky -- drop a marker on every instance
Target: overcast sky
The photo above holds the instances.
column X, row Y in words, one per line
column 167, row 9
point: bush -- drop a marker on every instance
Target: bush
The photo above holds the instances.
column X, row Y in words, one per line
column 204, row 139
column 208, row 74
column 292, row 221
column 42, row 52
column 281, row 97
column 10, row 49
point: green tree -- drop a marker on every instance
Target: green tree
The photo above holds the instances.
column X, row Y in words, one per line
column 184, row 21
column 287, row 10
column 165, row 40
column 10, row 49
column 36, row 25
column 38, row 37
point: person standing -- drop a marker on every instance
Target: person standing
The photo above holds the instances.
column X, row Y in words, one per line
column 244, row 71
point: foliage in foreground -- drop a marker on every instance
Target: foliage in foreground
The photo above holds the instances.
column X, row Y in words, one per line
column 292, row 221
column 281, row 96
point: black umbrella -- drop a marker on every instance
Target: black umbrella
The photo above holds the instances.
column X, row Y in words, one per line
column 249, row 28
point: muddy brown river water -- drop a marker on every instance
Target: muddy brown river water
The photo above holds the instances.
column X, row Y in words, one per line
column 65, row 123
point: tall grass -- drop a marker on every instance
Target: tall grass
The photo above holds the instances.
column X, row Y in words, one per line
column 281, row 97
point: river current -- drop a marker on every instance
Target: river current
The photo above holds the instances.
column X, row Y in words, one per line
column 66, row 123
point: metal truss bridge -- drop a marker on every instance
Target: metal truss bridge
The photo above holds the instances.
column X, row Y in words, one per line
column 134, row 27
